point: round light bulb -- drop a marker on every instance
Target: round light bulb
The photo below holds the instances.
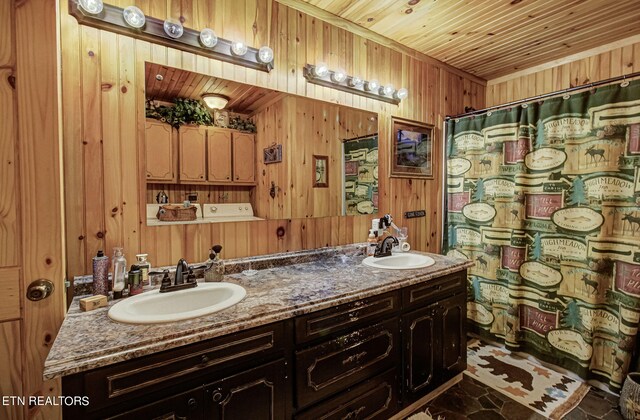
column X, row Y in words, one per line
column 321, row 70
column 402, row 93
column 91, row 6
column 372, row 85
column 173, row 28
column 239, row 48
column 356, row 82
column 265, row 55
column 387, row 90
column 133, row 16
column 208, row 38
column 339, row 76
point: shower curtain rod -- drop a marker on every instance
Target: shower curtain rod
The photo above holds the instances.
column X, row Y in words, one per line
column 545, row 95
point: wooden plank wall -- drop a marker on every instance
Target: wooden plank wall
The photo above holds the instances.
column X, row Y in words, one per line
column 612, row 63
column 304, row 127
column 10, row 285
column 103, row 97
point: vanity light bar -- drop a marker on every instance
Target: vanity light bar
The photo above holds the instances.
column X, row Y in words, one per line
column 324, row 77
column 111, row 18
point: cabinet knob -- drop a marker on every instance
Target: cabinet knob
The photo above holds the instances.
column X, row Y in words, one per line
column 227, row 177
column 204, row 359
column 192, row 404
column 237, row 177
column 217, row 396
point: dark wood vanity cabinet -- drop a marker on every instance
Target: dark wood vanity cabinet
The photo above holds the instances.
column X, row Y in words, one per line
column 435, row 345
column 361, row 359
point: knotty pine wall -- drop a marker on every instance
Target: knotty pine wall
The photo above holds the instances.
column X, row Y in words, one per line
column 103, row 123
column 304, row 127
column 614, row 62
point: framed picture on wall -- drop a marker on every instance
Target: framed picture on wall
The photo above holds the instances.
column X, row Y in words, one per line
column 272, row 154
column 412, row 149
column 321, row 171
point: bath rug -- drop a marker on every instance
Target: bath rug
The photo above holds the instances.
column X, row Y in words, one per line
column 543, row 390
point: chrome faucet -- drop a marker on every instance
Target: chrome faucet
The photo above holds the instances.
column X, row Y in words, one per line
column 383, row 249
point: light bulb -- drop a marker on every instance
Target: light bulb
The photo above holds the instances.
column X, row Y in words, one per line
column 133, row 16
column 402, row 93
column 265, row 55
column 239, row 48
column 339, row 76
column 356, row 82
column 387, row 90
column 91, row 6
column 208, row 38
column 321, row 70
column 173, row 28
column 372, row 85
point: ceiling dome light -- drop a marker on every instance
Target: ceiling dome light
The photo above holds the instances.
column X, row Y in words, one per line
column 265, row 55
column 401, row 93
column 339, row 76
column 173, row 28
column 208, row 38
column 93, row 7
column 387, row 90
column 372, row 85
column 320, row 70
column 239, row 48
column 215, row 101
column 355, row 81
column 133, row 16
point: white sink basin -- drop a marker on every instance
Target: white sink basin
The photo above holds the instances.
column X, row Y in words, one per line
column 154, row 307
column 400, row 261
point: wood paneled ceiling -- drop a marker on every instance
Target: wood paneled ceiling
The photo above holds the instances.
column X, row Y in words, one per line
column 177, row 83
column 492, row 38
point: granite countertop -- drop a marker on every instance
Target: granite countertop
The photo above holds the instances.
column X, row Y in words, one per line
column 314, row 281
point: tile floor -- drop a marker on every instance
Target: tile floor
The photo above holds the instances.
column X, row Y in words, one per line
column 470, row 399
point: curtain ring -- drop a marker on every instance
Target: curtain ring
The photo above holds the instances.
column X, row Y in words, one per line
column 566, row 96
column 525, row 105
column 490, row 113
column 625, row 82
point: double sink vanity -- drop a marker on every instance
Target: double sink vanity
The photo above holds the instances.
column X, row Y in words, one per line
column 319, row 335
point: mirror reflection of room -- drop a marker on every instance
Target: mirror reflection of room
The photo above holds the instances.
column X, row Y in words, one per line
column 217, row 150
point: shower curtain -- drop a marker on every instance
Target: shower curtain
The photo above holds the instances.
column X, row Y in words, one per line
column 544, row 199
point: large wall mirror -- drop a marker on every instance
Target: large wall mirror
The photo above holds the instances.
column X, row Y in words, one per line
column 253, row 154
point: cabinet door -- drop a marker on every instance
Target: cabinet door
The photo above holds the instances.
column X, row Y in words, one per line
column 453, row 322
column 256, row 394
column 186, row 406
column 193, row 154
column 420, row 346
column 219, row 155
column 159, row 151
column 244, row 157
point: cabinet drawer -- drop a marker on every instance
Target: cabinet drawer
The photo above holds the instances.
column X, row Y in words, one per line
column 373, row 399
column 143, row 376
column 323, row 323
column 339, row 363
column 425, row 293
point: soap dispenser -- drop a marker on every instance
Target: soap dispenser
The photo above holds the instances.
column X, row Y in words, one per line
column 215, row 265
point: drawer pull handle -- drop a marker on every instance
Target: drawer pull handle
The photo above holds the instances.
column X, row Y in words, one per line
column 192, row 404
column 353, row 414
column 204, row 359
column 217, row 396
column 354, row 358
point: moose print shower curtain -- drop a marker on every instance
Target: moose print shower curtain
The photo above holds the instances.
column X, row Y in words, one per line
column 544, row 198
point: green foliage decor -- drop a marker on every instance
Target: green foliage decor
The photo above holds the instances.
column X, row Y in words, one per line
column 238, row 123
column 184, row 111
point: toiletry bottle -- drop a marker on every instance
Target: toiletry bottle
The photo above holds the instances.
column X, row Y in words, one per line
column 217, row 270
column 145, row 267
column 209, row 271
column 101, row 274
column 135, row 280
column 372, row 242
column 119, row 273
